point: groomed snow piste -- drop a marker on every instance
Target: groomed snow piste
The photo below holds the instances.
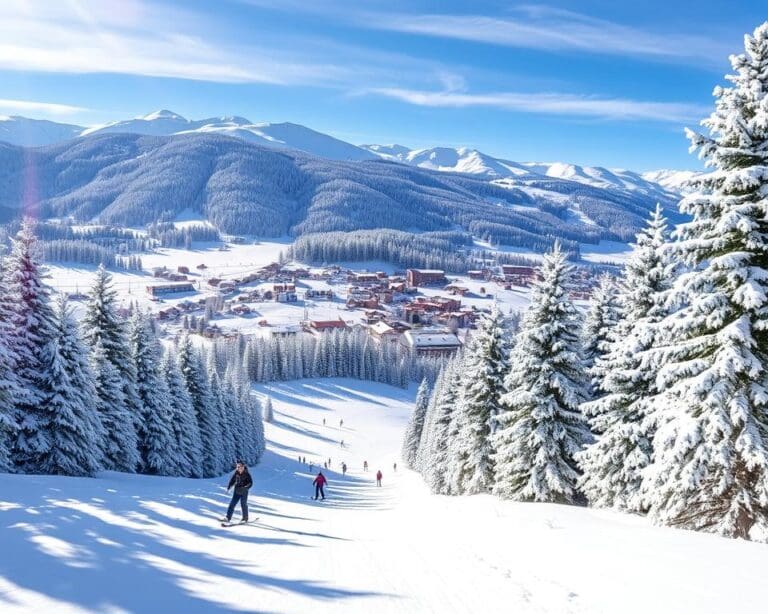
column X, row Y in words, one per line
column 127, row 543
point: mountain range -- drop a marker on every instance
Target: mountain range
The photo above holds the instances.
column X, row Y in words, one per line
column 274, row 179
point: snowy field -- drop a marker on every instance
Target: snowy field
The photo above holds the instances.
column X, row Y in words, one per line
column 126, row 543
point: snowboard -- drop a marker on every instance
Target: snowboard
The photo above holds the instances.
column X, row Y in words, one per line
column 235, row 524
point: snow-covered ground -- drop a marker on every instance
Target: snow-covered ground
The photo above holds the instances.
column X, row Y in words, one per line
column 124, row 543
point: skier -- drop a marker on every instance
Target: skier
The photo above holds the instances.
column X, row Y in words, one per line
column 343, row 468
column 394, row 467
column 323, row 421
column 319, row 482
column 242, row 481
column 378, row 477
column 329, row 462
column 325, row 466
column 341, row 423
column 342, row 443
column 365, row 465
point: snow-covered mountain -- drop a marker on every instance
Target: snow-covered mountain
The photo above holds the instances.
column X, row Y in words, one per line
column 19, row 130
column 279, row 135
column 467, row 160
column 672, row 180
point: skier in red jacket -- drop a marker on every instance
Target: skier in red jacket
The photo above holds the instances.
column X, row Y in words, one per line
column 319, row 482
column 378, row 477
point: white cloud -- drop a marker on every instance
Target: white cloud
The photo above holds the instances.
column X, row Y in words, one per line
column 47, row 108
column 550, row 104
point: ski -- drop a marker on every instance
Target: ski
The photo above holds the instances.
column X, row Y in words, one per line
column 235, row 524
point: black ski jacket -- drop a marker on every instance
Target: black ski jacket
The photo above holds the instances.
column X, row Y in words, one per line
column 241, row 481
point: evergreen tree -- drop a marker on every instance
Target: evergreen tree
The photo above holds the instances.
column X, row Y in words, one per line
column 102, row 323
column 119, row 444
column 157, row 444
column 415, row 425
column 72, row 424
column 710, row 453
column 32, row 323
column 482, row 384
column 268, row 412
column 9, row 383
column 206, row 412
column 603, row 315
column 540, row 427
column 436, row 463
column 185, row 429
column 613, row 465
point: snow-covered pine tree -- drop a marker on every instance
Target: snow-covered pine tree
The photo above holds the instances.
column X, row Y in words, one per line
column 157, row 444
column 415, row 425
column 102, row 323
column 32, row 323
column 119, row 445
column 268, row 412
column 206, row 411
column 9, row 384
column 429, row 420
column 227, row 453
column 540, row 428
column 185, row 429
column 613, row 465
column 710, row 458
column 603, row 315
column 437, row 459
column 74, row 430
column 484, row 367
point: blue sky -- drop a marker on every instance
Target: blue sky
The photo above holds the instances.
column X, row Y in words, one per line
column 592, row 82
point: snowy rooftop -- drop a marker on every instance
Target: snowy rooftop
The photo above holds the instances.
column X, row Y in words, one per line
column 421, row 339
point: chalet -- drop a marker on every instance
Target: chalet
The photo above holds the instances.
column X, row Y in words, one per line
column 176, row 277
column 170, row 288
column 170, row 313
column 184, row 270
column 284, row 287
column 322, row 326
column 286, row 330
column 519, row 275
column 477, row 274
column 214, row 281
column 365, row 302
column 425, row 277
column 241, row 309
column 364, row 278
column 159, row 271
column 381, row 331
column 201, row 267
column 431, row 341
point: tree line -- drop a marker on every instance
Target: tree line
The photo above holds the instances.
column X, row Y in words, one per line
column 103, row 393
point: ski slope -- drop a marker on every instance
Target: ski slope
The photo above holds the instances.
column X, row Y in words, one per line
column 126, row 543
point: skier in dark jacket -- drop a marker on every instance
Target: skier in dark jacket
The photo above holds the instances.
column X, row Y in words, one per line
column 378, row 477
column 319, row 482
column 242, row 481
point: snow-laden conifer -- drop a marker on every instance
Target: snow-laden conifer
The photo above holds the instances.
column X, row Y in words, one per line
column 32, row 328
column 184, row 422
column 603, row 315
column 541, row 428
column 268, row 411
column 415, row 426
column 74, row 430
column 119, row 444
column 710, row 458
column 157, row 443
column 613, row 465
column 10, row 391
column 206, row 410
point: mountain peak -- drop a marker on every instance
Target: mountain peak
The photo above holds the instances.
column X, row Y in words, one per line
column 163, row 114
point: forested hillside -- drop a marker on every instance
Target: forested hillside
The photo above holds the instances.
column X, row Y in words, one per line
column 243, row 188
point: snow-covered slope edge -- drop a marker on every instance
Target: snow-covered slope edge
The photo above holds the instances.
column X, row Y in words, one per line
column 84, row 545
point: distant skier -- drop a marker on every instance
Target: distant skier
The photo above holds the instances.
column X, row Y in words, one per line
column 329, row 462
column 242, row 481
column 342, row 443
column 319, row 483
column 394, row 467
column 365, row 465
column 343, row 468
column 341, row 423
column 378, row 477
column 325, row 466
column 323, row 421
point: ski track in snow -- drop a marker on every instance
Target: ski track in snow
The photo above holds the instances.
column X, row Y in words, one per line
column 125, row 543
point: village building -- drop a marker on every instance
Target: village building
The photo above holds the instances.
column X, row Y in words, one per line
column 425, row 277
column 170, row 288
column 431, row 342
